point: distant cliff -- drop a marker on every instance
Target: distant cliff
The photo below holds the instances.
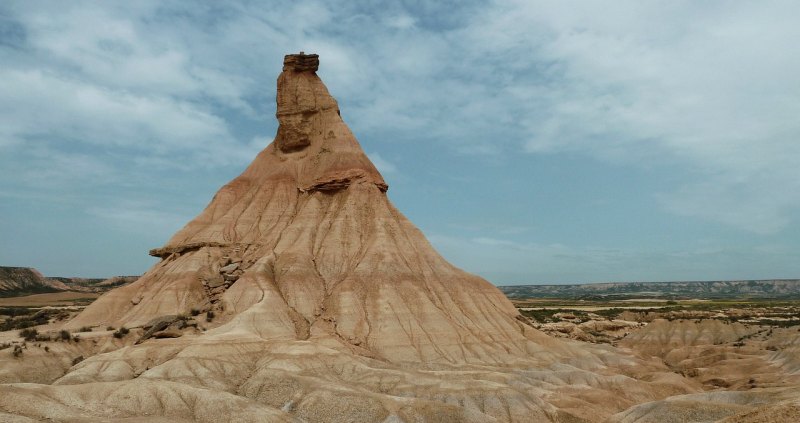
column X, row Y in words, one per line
column 776, row 288
column 18, row 281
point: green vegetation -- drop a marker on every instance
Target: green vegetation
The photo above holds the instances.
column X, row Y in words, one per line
column 765, row 312
column 548, row 315
column 28, row 334
column 25, row 317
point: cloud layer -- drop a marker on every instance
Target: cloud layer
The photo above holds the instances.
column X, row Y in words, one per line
column 120, row 110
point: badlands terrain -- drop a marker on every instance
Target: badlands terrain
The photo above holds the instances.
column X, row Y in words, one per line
column 301, row 294
column 19, row 281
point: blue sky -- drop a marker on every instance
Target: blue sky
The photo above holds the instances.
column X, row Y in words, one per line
column 532, row 142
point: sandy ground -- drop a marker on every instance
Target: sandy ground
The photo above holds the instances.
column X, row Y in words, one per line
column 49, row 299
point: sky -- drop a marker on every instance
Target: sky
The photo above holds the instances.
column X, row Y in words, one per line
column 532, row 142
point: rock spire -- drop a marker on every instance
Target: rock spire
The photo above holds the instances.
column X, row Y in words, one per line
column 305, row 244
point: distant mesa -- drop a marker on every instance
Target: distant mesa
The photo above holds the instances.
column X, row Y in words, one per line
column 19, row 281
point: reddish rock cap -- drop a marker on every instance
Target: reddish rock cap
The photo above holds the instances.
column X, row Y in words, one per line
column 301, row 62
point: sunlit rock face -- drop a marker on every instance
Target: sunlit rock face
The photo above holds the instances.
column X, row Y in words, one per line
column 305, row 244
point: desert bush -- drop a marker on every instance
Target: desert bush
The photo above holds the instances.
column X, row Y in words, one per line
column 28, row 334
column 23, row 317
column 85, row 329
column 194, row 312
column 65, row 335
column 109, row 327
column 121, row 332
column 210, row 315
column 17, row 351
column 16, row 311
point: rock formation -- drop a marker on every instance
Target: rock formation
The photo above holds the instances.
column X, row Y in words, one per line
column 305, row 244
column 301, row 294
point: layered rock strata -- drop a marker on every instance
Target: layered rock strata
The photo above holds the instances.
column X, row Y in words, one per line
column 305, row 244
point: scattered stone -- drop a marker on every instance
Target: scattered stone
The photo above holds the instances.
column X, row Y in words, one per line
column 215, row 281
column 170, row 333
column 229, row 268
column 156, row 325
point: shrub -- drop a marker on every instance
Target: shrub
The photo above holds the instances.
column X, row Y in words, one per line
column 109, row 327
column 22, row 318
column 28, row 334
column 210, row 315
column 121, row 332
column 65, row 335
column 17, row 351
column 195, row 312
column 85, row 329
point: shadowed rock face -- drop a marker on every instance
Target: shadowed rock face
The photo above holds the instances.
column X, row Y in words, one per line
column 320, row 253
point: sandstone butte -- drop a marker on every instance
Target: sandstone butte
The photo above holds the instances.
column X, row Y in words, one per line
column 312, row 298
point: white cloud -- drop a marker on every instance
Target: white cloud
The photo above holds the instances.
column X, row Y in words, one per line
column 711, row 87
column 38, row 105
